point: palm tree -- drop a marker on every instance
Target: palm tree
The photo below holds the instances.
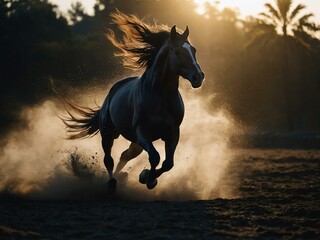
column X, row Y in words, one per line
column 283, row 17
column 285, row 30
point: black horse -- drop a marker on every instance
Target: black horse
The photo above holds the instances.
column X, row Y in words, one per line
column 146, row 108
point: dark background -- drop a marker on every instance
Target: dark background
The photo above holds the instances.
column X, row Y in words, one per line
column 266, row 80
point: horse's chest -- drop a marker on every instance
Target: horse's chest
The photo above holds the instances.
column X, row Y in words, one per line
column 164, row 118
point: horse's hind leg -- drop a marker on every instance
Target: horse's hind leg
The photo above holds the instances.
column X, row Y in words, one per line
column 107, row 143
column 132, row 152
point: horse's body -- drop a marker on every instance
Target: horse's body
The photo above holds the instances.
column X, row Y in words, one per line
column 147, row 108
column 131, row 103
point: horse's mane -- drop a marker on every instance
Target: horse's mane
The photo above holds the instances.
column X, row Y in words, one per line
column 140, row 43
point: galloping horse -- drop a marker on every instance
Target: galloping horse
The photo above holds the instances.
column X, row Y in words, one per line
column 146, row 108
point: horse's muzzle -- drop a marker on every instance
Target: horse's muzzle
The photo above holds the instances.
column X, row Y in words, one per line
column 197, row 79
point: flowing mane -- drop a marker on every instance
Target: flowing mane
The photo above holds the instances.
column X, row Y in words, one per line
column 140, row 43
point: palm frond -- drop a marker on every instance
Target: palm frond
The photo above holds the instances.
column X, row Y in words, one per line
column 273, row 11
column 305, row 18
column 269, row 18
column 296, row 11
column 310, row 26
column 284, row 7
column 304, row 21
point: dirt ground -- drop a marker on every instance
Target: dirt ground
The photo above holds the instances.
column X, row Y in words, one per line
column 278, row 198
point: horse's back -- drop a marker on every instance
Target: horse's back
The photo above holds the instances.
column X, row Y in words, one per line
column 120, row 89
column 119, row 84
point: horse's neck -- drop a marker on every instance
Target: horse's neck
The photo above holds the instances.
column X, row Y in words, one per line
column 160, row 77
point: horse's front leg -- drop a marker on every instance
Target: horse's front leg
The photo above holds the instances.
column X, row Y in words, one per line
column 171, row 142
column 144, row 140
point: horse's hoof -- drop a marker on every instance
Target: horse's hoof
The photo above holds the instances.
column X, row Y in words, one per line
column 143, row 176
column 151, row 185
column 112, row 185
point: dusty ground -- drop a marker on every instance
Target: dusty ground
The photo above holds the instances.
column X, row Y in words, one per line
column 278, row 198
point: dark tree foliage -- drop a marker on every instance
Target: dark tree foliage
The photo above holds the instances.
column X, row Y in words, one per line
column 31, row 29
column 266, row 80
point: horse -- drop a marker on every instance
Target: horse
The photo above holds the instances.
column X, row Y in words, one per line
column 142, row 108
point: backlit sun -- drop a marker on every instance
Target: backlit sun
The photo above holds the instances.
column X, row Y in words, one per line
column 245, row 7
column 201, row 5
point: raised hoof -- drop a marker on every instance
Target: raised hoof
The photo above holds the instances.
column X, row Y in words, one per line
column 143, row 176
column 112, row 185
column 151, row 185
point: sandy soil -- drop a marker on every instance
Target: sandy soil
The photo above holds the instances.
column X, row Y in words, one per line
column 278, row 198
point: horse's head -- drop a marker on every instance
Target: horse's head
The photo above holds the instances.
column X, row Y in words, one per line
column 182, row 58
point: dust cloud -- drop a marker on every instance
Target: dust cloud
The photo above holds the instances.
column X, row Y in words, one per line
column 38, row 162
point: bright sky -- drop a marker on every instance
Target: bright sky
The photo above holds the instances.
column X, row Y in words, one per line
column 246, row 7
column 64, row 5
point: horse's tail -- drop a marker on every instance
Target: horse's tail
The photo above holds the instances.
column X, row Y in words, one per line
column 85, row 125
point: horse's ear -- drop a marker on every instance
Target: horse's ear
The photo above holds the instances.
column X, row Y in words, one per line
column 185, row 34
column 173, row 33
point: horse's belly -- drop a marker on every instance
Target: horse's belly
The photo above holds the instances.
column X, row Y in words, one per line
column 121, row 115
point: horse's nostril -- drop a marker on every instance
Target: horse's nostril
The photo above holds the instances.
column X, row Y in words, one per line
column 198, row 77
column 195, row 78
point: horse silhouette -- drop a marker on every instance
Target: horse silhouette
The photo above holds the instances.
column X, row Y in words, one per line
column 145, row 108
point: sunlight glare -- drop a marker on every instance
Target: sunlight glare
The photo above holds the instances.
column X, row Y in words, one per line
column 244, row 6
column 200, row 10
column 201, row 6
